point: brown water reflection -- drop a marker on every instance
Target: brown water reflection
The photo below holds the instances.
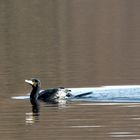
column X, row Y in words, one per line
column 70, row 43
column 77, row 120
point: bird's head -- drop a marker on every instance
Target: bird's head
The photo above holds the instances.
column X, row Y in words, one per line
column 34, row 82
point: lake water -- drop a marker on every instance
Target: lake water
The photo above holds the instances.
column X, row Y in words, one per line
column 75, row 120
column 69, row 43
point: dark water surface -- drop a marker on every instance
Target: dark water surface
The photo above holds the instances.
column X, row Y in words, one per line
column 70, row 43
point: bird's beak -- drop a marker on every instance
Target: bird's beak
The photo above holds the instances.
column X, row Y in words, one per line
column 29, row 82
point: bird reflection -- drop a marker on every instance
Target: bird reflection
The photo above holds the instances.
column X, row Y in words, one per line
column 36, row 109
column 33, row 117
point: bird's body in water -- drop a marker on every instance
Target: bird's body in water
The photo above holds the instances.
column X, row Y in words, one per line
column 53, row 95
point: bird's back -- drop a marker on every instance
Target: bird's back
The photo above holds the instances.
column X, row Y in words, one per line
column 48, row 95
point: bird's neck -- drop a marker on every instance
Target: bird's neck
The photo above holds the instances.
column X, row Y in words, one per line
column 34, row 95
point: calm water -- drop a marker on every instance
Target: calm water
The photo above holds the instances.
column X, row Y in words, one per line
column 77, row 121
column 70, row 43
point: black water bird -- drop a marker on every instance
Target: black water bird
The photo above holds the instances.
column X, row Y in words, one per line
column 53, row 95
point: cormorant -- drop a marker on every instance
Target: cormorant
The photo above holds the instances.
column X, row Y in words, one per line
column 53, row 95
